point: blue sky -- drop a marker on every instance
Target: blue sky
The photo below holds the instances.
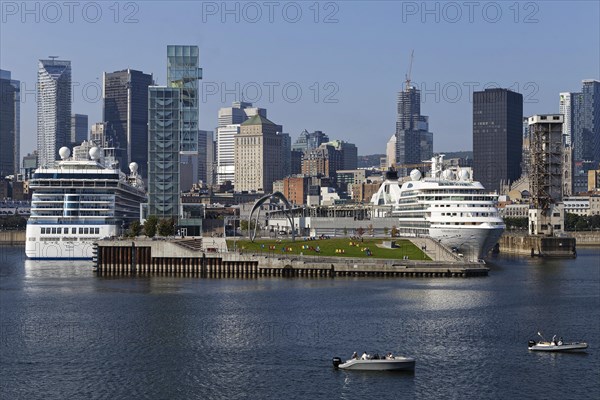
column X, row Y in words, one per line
column 337, row 70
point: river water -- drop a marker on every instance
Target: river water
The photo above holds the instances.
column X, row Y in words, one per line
column 67, row 334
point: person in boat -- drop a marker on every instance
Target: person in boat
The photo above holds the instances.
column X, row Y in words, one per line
column 389, row 356
column 355, row 356
column 560, row 341
column 364, row 356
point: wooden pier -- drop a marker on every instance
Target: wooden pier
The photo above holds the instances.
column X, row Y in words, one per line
column 172, row 259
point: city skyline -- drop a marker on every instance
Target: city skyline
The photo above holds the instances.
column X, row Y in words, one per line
column 356, row 85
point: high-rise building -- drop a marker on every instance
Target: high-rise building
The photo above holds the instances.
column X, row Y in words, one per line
column 125, row 99
column 79, row 129
column 296, row 162
column 349, row 154
column 239, row 112
column 163, row 151
column 309, row 140
column 10, row 121
column 286, row 154
column 589, row 120
column 226, row 153
column 497, row 136
column 205, row 156
column 172, row 129
column 183, row 72
column 324, row 161
column 414, row 142
column 258, row 161
column 567, row 108
column 53, row 109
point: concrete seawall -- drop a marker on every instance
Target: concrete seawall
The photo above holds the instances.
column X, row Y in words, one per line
column 540, row 246
column 12, row 238
column 169, row 258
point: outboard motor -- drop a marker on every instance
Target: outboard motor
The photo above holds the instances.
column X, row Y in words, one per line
column 336, row 362
column 531, row 343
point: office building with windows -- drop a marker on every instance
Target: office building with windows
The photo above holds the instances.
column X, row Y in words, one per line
column 497, row 137
column 125, row 109
column 53, row 109
column 10, row 125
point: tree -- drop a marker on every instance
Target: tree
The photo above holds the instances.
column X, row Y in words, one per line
column 395, row 231
column 345, row 231
column 386, row 230
column 135, row 228
column 150, row 226
column 244, row 224
column 360, row 231
column 166, row 227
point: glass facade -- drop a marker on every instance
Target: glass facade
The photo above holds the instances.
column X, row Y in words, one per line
column 126, row 113
column 588, row 147
column 53, row 109
column 414, row 142
column 10, row 131
column 183, row 73
column 164, row 126
column 497, row 137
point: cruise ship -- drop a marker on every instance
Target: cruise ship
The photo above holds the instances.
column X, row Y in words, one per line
column 80, row 200
column 447, row 206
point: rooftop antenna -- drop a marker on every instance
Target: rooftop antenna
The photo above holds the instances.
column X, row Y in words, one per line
column 407, row 76
column 53, row 58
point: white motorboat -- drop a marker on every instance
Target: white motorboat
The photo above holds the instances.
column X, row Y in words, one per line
column 556, row 345
column 396, row 363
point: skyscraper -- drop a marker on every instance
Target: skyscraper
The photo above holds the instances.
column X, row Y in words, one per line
column 258, row 161
column 205, row 156
column 163, row 151
column 568, row 108
column 309, row 140
column 79, row 129
column 239, row 112
column 286, row 154
column 589, row 120
column 183, row 73
column 53, row 108
column 125, row 109
column 349, row 154
column 10, row 120
column 497, row 136
column 172, row 129
column 230, row 119
column 226, row 153
column 414, row 142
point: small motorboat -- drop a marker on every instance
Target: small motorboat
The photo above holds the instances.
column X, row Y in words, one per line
column 556, row 345
column 390, row 363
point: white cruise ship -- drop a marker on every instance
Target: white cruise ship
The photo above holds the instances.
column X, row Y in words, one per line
column 80, row 200
column 448, row 206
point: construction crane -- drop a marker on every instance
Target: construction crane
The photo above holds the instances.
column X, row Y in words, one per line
column 407, row 76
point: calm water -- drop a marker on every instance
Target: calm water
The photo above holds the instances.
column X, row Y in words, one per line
column 66, row 333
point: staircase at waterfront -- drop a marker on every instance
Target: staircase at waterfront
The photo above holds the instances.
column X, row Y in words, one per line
column 435, row 250
column 190, row 244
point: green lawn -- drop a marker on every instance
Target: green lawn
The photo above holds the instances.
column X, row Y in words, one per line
column 328, row 247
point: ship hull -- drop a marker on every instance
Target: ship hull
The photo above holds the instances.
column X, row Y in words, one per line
column 68, row 247
column 473, row 243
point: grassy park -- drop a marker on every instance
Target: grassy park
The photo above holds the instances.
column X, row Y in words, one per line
column 334, row 247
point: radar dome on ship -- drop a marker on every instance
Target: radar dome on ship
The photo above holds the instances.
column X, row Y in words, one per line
column 95, row 153
column 64, row 153
column 415, row 175
column 133, row 167
column 464, row 175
